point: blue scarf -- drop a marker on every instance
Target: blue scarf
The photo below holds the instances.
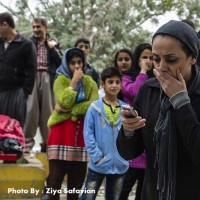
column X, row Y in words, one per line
column 64, row 70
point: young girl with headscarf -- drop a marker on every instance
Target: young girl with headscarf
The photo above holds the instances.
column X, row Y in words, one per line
column 66, row 152
column 136, row 70
column 141, row 70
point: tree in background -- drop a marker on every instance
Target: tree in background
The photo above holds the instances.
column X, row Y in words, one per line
column 109, row 24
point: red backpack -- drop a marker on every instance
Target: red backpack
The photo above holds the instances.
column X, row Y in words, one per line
column 12, row 139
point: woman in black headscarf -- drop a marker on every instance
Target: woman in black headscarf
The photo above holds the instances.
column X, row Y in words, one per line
column 168, row 125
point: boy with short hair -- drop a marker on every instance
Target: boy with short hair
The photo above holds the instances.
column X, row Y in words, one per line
column 101, row 126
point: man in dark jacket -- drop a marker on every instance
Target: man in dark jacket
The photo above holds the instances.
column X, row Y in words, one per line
column 84, row 44
column 17, row 69
column 41, row 102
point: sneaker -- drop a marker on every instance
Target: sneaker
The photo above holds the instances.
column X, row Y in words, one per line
column 27, row 149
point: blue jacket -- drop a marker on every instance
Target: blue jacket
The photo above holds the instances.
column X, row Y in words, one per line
column 100, row 140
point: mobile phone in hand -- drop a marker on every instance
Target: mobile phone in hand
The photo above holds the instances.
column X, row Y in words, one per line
column 132, row 113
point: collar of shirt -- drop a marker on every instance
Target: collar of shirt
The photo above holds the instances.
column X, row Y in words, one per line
column 6, row 44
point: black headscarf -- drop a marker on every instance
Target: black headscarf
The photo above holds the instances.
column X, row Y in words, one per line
column 183, row 32
column 136, row 56
column 131, row 72
column 165, row 137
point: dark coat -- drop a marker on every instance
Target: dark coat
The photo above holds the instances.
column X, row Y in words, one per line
column 186, row 120
column 91, row 71
column 18, row 65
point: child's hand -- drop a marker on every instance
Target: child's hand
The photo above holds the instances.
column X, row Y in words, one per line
column 145, row 66
column 78, row 74
column 98, row 161
column 59, row 109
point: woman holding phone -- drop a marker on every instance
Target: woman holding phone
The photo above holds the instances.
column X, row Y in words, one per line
column 168, row 125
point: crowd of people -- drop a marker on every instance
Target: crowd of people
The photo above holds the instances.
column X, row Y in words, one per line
column 91, row 138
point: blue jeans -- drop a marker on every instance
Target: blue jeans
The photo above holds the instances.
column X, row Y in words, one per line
column 94, row 180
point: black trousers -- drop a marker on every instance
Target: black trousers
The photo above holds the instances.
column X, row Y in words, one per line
column 76, row 172
column 13, row 104
column 132, row 175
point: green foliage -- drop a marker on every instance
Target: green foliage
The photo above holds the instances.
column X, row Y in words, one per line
column 109, row 24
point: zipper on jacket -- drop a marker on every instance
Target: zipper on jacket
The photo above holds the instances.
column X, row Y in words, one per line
column 113, row 147
column 112, row 127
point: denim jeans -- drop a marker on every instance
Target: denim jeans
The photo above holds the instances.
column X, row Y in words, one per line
column 94, row 180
